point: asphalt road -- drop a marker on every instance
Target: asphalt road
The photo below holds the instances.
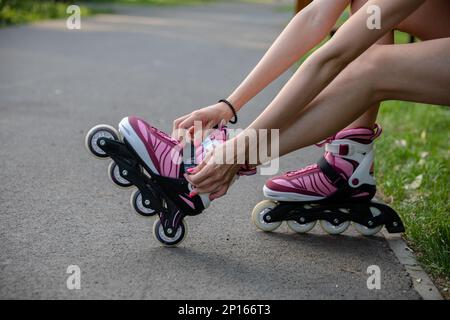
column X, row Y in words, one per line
column 57, row 207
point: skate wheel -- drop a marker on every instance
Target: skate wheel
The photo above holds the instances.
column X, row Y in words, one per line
column 180, row 234
column 116, row 178
column 299, row 227
column 365, row 231
column 138, row 206
column 332, row 229
column 97, row 132
column 258, row 213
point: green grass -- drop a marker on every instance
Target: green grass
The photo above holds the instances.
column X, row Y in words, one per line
column 152, row 2
column 13, row 12
column 412, row 169
column 253, row 1
column 413, row 176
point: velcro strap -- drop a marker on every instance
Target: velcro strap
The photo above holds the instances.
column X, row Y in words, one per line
column 347, row 148
column 338, row 149
column 335, row 178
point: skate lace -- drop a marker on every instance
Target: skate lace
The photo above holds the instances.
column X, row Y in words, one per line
column 301, row 170
column 164, row 135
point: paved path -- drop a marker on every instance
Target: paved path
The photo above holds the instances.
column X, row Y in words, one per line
column 57, row 207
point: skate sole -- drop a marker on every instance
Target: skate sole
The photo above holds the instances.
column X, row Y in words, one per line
column 288, row 196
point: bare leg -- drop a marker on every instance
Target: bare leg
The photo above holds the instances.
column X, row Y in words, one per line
column 416, row 72
column 368, row 118
column 384, row 72
column 419, row 25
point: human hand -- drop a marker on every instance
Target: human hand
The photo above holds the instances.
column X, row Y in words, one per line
column 212, row 176
column 208, row 117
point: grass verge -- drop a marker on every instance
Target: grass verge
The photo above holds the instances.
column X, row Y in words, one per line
column 151, row 2
column 413, row 176
column 13, row 12
column 412, row 168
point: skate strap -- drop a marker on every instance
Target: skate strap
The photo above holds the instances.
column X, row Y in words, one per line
column 336, row 179
column 347, row 148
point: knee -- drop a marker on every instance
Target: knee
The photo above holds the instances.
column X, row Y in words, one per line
column 369, row 69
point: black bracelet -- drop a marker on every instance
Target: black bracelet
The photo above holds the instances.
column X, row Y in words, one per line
column 232, row 109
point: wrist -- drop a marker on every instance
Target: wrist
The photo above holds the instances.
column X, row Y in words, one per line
column 225, row 111
column 231, row 110
column 238, row 100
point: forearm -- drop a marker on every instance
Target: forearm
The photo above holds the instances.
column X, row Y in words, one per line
column 325, row 64
column 282, row 111
column 351, row 40
column 304, row 31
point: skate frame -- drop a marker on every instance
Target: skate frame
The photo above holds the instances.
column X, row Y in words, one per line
column 171, row 212
column 337, row 213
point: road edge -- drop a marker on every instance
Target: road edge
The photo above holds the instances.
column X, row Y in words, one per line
column 421, row 281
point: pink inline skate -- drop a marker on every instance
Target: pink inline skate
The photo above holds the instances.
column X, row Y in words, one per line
column 155, row 163
column 336, row 190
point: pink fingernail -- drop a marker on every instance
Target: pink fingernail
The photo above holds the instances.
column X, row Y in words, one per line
column 192, row 194
column 190, row 170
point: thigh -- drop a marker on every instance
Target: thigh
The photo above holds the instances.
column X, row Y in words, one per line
column 430, row 21
column 418, row 72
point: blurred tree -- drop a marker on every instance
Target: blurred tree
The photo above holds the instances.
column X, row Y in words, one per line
column 300, row 4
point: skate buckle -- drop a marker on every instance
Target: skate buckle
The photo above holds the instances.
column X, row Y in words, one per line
column 339, row 149
column 344, row 149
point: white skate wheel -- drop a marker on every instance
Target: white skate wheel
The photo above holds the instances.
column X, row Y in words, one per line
column 97, row 132
column 299, row 227
column 332, row 229
column 365, row 231
column 258, row 213
column 180, row 234
column 138, row 206
column 116, row 178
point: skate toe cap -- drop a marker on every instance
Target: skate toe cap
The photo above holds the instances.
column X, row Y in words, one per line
column 277, row 184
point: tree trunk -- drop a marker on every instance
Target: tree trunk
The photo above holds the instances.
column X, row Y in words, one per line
column 300, row 4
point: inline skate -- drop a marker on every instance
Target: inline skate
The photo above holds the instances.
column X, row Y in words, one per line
column 336, row 191
column 155, row 163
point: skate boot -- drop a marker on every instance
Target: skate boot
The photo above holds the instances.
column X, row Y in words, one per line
column 155, row 163
column 336, row 190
